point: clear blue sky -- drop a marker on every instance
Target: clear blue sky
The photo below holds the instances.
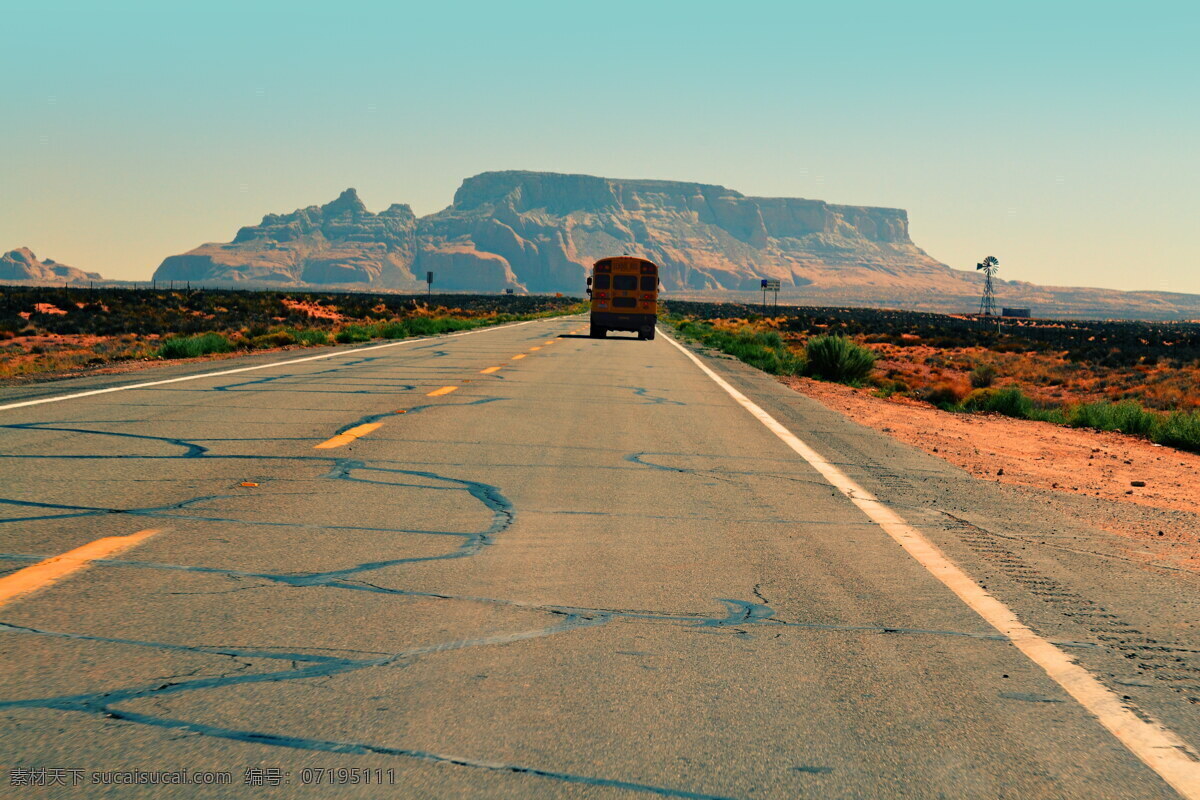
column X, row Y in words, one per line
column 1061, row 138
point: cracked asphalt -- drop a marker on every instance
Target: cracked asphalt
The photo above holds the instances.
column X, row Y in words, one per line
column 586, row 574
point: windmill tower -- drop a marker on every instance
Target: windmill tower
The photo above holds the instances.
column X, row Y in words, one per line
column 987, row 304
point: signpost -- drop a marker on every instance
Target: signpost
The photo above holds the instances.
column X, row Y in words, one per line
column 770, row 285
column 428, row 285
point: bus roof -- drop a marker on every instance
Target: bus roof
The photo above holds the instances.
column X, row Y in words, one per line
column 627, row 258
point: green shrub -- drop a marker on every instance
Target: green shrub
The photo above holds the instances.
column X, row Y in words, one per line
column 978, row 400
column 193, row 346
column 1055, row 415
column 835, row 358
column 310, row 337
column 765, row 350
column 1125, row 416
column 1180, row 429
column 272, row 339
column 422, row 326
column 983, row 376
column 391, row 330
column 887, row 388
column 428, row 326
column 1011, row 402
column 353, row 333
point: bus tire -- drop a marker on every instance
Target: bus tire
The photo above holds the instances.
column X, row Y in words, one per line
column 598, row 332
column 646, row 334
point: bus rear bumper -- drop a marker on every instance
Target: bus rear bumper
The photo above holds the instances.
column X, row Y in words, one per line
column 623, row 322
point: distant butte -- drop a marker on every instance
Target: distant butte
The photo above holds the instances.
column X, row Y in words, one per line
column 540, row 232
column 22, row 265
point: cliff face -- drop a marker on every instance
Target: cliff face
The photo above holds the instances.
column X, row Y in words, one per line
column 339, row 243
column 549, row 228
column 22, row 265
column 541, row 232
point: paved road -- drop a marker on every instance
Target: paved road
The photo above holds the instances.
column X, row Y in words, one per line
column 590, row 573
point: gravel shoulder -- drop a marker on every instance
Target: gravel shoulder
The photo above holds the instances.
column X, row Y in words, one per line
column 1089, row 475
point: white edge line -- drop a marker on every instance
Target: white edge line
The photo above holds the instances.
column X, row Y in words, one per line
column 1157, row 746
column 351, row 351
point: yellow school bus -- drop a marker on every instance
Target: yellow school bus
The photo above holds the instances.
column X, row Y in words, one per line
column 624, row 292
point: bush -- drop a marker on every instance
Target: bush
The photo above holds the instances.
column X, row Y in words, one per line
column 764, row 350
column 1009, row 402
column 836, row 358
column 944, row 395
column 983, row 376
column 391, row 330
column 311, row 337
column 1054, row 415
column 353, row 333
column 428, row 326
column 193, row 346
column 1125, row 416
column 887, row 388
column 1181, row 429
column 272, row 339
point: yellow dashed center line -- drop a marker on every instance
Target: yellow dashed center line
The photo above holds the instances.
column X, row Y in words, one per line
column 349, row 436
column 488, row 370
column 518, row 356
column 44, row 573
column 535, row 348
column 441, row 391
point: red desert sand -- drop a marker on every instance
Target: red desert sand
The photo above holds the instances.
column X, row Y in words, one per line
column 1040, row 455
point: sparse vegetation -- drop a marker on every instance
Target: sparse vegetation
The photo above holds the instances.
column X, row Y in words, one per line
column 1126, row 417
column 46, row 331
column 1138, row 378
column 945, row 396
column 1179, row 429
column 765, row 350
column 983, row 376
column 193, row 346
column 834, row 357
column 1009, row 401
column 354, row 333
column 310, row 337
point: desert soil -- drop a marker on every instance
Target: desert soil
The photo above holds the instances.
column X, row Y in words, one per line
column 1163, row 514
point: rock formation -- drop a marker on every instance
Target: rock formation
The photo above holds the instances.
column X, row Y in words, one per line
column 540, row 232
column 340, row 243
column 22, row 265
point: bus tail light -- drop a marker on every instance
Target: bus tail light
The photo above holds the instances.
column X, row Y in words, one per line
column 647, row 297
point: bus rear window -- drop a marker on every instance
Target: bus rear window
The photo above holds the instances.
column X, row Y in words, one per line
column 649, row 283
column 625, row 283
column 600, row 282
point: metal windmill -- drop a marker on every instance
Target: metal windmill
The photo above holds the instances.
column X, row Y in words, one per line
column 987, row 305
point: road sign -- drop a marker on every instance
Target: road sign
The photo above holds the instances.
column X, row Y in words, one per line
column 769, row 285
